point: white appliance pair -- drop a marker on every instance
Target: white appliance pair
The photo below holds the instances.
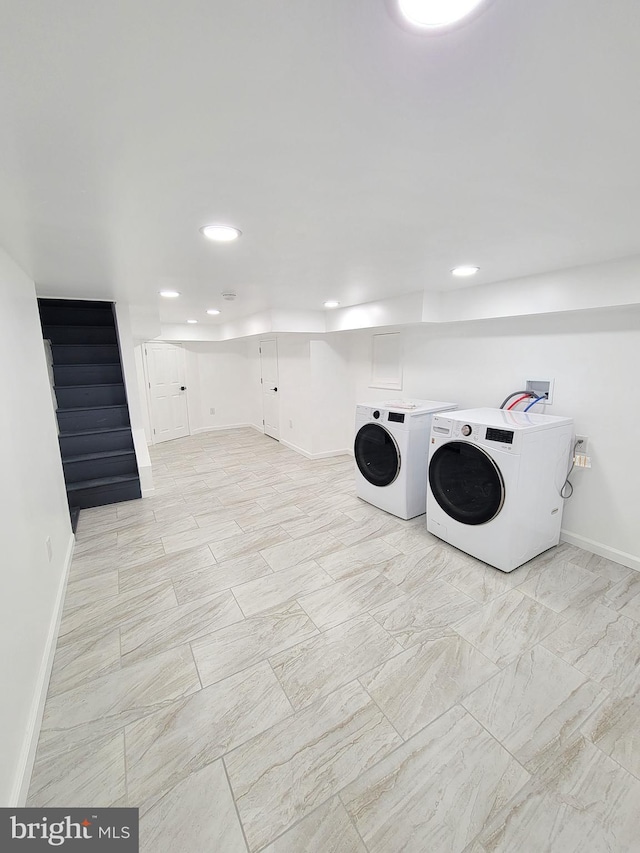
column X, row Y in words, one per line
column 491, row 480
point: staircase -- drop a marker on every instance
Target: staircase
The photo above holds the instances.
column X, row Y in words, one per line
column 96, row 443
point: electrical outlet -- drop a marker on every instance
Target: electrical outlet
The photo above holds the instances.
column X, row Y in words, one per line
column 47, row 542
column 541, row 388
column 581, row 442
column 212, row 411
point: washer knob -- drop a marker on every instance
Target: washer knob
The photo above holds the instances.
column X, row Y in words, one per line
column 466, row 430
column 376, row 414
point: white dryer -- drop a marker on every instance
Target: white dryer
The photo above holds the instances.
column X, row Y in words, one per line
column 494, row 483
column 391, row 448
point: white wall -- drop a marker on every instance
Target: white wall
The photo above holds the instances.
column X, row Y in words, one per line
column 34, row 507
column 218, row 377
column 294, row 392
column 331, row 395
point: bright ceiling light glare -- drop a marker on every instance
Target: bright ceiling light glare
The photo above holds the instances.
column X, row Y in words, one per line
column 169, row 294
column 192, row 321
column 464, row 272
column 213, row 311
column 331, row 304
column 221, row 233
column 433, row 14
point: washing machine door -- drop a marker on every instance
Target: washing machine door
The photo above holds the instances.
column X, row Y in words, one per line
column 377, row 455
column 466, row 482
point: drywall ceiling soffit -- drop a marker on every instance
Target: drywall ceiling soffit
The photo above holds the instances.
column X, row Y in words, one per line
column 360, row 160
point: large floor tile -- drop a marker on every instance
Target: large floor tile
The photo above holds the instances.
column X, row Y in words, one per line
column 148, row 635
column 562, row 586
column 326, row 830
column 288, row 554
column 277, row 588
column 76, row 663
column 198, row 814
column 479, row 581
column 319, row 665
column 243, row 543
column 246, row 643
column 534, row 705
column 614, row 726
column 437, row 791
column 166, row 747
column 101, row 705
column 168, row 567
column 220, row 576
column 428, row 613
column 508, row 626
column 422, row 682
column 323, row 748
column 90, row 774
column 347, row 598
column 580, row 803
column 210, row 535
column 601, row 643
column 357, row 558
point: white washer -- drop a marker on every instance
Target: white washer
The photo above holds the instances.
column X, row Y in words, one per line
column 391, row 448
column 494, row 483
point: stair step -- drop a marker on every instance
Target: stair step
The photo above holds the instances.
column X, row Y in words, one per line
column 92, row 417
column 95, row 466
column 70, row 312
column 105, row 454
column 70, row 375
column 102, row 481
column 76, row 396
column 85, row 353
column 101, row 440
column 104, row 490
column 74, row 334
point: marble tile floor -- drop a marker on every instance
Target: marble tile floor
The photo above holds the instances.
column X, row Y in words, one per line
column 260, row 661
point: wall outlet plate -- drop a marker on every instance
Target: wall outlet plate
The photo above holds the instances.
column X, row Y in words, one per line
column 580, row 442
column 541, row 388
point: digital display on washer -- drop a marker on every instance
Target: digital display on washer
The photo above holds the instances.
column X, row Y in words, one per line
column 503, row 435
column 396, row 417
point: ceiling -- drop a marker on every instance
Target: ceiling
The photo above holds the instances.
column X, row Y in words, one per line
column 361, row 160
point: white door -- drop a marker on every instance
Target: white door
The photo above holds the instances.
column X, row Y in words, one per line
column 167, row 391
column 270, row 403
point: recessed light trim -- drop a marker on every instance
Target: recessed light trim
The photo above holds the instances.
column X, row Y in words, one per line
column 434, row 14
column 221, row 233
column 464, row 271
column 169, row 294
column 192, row 321
column 331, row 303
column 213, row 311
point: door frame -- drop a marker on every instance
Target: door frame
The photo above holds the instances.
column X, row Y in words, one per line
column 147, row 384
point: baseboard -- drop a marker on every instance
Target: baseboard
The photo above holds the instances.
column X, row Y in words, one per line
column 198, row 430
column 30, row 744
column 601, row 550
column 325, row 455
column 147, row 493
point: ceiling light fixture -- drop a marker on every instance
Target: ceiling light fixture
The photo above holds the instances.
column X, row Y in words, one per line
column 464, row 271
column 331, row 304
column 213, row 311
column 433, row 14
column 169, row 294
column 221, row 233
column 192, row 321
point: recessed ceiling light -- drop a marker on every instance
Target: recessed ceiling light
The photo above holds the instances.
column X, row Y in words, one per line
column 213, row 311
column 169, row 294
column 331, row 304
column 464, row 272
column 221, row 233
column 192, row 321
column 432, row 14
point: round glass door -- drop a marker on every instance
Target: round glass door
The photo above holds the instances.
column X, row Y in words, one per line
column 377, row 455
column 466, row 482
